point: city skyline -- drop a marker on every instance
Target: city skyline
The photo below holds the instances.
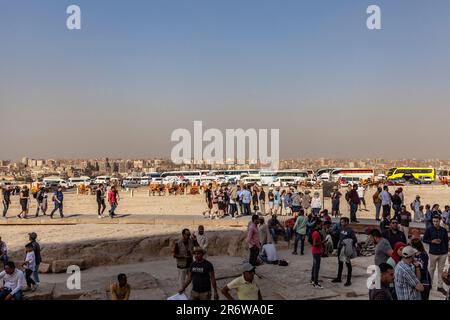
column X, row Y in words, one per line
column 120, row 86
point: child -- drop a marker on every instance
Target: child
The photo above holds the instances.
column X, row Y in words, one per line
column 30, row 265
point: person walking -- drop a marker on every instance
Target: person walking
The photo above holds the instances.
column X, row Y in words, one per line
column 40, row 198
column 201, row 274
column 262, row 201
column 377, row 203
column 37, row 254
column 29, row 265
column 300, row 232
column 354, row 201
column 24, row 197
column 254, row 243
column 386, row 201
column 58, row 199
column 437, row 238
column 113, row 199
column 183, row 251
column 100, row 197
column 6, row 200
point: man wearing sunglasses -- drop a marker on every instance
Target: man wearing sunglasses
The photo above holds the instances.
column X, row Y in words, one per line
column 393, row 234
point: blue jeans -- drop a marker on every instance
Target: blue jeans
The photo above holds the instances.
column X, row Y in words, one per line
column 301, row 238
column 316, row 268
column 113, row 208
column 36, row 273
column 247, row 211
column 4, row 292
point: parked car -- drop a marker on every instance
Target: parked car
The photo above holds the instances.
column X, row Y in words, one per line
column 426, row 180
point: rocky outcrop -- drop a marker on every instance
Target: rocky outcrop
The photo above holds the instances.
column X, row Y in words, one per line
column 57, row 257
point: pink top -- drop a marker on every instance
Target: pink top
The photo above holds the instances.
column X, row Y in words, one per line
column 253, row 236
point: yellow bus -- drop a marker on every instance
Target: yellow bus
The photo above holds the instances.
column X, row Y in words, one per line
column 409, row 173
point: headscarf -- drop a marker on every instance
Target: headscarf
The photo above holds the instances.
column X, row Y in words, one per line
column 395, row 256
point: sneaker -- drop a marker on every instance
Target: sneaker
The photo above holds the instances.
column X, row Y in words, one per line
column 442, row 290
column 311, row 282
column 336, row 280
column 317, row 286
column 100, row 217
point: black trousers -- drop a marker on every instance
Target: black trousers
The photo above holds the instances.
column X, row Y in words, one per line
column 386, row 210
column 101, row 206
column 341, row 268
column 5, row 207
column 28, row 277
column 254, row 252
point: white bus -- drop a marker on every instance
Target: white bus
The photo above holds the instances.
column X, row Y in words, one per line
column 296, row 174
column 324, row 173
column 267, row 177
column 76, row 182
column 361, row 174
column 233, row 175
column 191, row 176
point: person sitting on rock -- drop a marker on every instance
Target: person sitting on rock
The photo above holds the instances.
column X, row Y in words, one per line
column 120, row 290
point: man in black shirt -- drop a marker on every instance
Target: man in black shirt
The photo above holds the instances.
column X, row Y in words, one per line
column 393, row 234
column 6, row 194
column 101, row 195
column 201, row 274
column 381, row 291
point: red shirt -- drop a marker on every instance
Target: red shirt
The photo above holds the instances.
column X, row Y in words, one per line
column 253, row 236
column 316, row 249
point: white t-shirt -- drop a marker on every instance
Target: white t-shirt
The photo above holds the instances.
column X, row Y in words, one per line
column 361, row 192
column 30, row 260
column 270, row 252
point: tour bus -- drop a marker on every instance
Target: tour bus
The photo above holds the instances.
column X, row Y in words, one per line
column 408, row 173
column 191, row 176
column 267, row 177
column 55, row 181
column 252, row 180
column 76, row 182
column 324, row 173
column 361, row 174
column 296, row 174
column 150, row 177
column 345, row 181
column 105, row 180
column 233, row 175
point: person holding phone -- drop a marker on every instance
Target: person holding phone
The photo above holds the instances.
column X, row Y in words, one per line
column 437, row 238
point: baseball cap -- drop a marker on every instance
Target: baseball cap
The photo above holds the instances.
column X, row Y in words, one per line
column 408, row 252
column 247, row 267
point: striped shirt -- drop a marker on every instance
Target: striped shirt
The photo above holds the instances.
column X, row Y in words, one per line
column 406, row 282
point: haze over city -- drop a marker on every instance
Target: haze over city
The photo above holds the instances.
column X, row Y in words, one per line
column 133, row 74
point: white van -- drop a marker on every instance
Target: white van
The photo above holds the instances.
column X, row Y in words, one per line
column 105, row 180
column 53, row 181
column 76, row 182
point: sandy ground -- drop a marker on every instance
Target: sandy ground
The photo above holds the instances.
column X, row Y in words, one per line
column 141, row 203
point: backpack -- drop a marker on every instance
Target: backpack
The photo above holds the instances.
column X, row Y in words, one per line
column 412, row 205
column 35, row 195
column 283, row 263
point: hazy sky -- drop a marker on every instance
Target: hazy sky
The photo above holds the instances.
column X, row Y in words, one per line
column 140, row 69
